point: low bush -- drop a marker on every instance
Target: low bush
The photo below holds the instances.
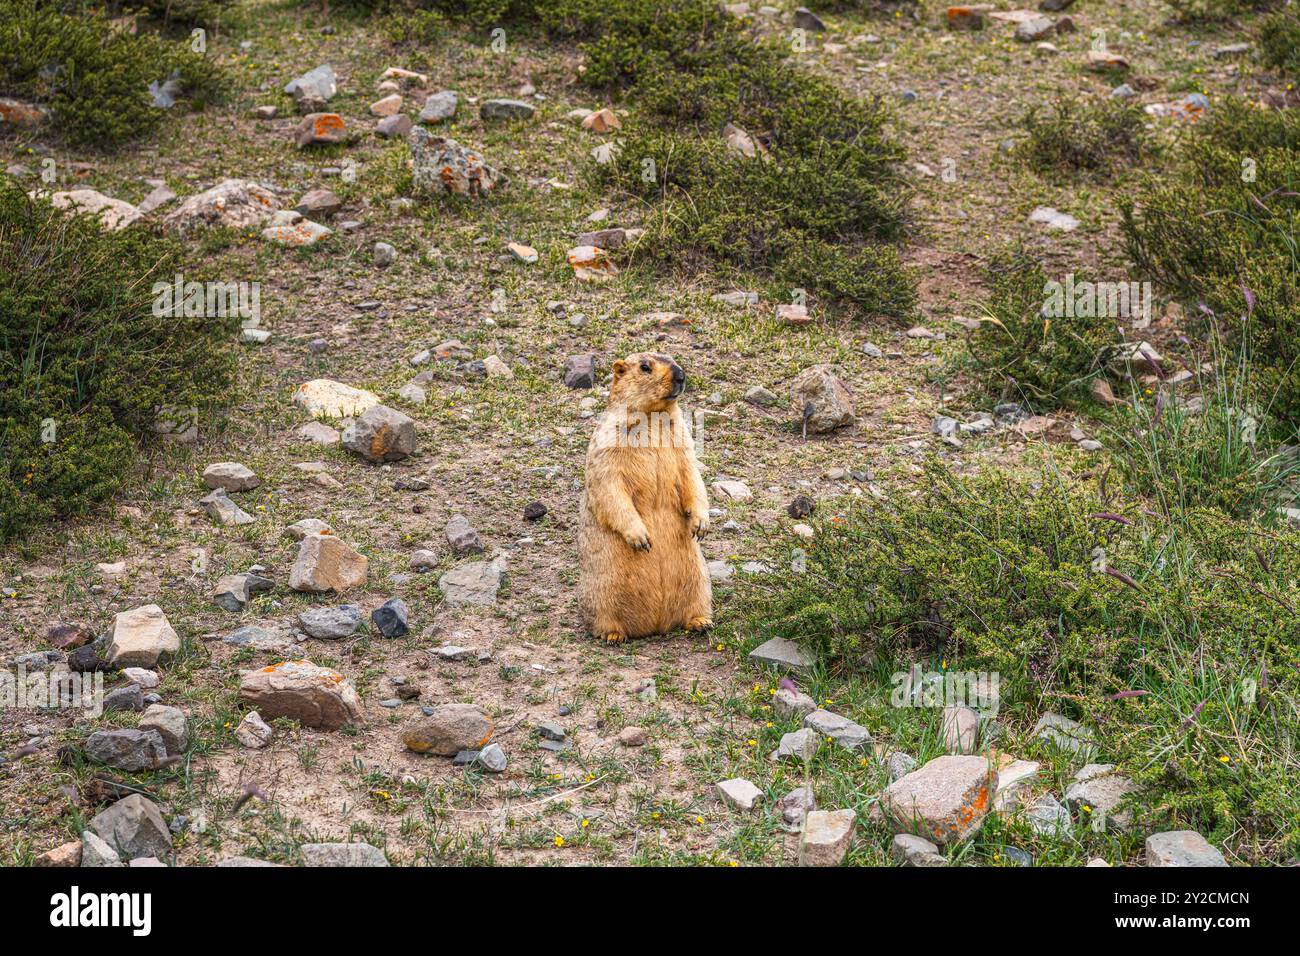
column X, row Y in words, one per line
column 1213, row 10
column 1020, row 352
column 1088, row 136
column 84, row 363
column 93, row 77
column 1177, row 638
column 1222, row 232
column 1279, row 42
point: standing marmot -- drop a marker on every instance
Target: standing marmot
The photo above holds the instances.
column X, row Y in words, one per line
column 643, row 509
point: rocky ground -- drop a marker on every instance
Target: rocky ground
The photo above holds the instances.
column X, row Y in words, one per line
column 422, row 557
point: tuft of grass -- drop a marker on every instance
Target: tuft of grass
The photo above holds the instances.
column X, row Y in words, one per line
column 1087, row 136
column 1279, row 42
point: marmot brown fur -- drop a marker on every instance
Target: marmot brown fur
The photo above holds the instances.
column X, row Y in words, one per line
column 643, row 511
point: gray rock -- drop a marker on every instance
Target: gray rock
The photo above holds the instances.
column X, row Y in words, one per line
column 246, row 861
column 796, row 805
column 96, row 852
column 551, row 730
column 945, row 801
column 448, row 729
column 720, row 571
column 911, row 850
column 791, row 703
column 473, row 583
column 900, row 765
column 330, row 623
column 125, row 698
column 1098, row 794
column 805, row 19
column 391, row 618
column 313, row 89
column 739, row 794
column 170, row 724
column 134, row 828
column 580, row 371
column 462, row 537
column 823, row 402
column 441, row 165
column 843, row 731
column 506, row 110
column 224, row 511
column 960, row 729
column 758, row 395
column 342, row 854
column 492, row 759
column 230, row 476
column 801, row 744
column 381, row 434
column 253, row 732
column 393, row 127
column 384, row 254
column 1047, row 817
column 439, row 106
column 784, row 654
column 1181, row 848
column 129, row 750
column 318, row 204
column 262, row 640
column 1028, row 31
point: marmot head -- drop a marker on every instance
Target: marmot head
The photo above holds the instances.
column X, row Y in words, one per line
column 647, row 381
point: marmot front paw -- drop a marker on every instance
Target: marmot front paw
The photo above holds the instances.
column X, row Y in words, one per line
column 638, row 539
column 699, row 524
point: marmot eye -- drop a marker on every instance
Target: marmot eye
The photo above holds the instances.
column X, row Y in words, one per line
column 645, row 366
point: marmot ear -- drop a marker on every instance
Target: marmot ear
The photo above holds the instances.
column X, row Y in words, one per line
column 619, row 367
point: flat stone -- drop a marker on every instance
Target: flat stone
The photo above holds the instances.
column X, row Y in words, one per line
column 1047, row 817
column 224, row 511
column 263, row 640
column 342, row 854
column 739, row 794
column 1181, row 848
column 439, row 106
column 300, row 690
column 506, row 110
column 473, row 583
column 141, row 637
column 946, row 800
column 732, row 491
column 230, row 476
column 843, row 731
column 1068, row 735
column 784, row 654
column 826, row 837
column 449, row 729
column 325, row 397
column 64, row 855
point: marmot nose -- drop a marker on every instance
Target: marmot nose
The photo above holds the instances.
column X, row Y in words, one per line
column 678, row 375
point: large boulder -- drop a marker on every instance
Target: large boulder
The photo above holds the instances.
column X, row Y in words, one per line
column 325, row 564
column 141, row 637
column 821, row 399
column 233, row 203
column 129, row 750
column 300, row 690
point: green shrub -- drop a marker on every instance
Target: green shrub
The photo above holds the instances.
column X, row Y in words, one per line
column 1018, row 351
column 178, row 13
column 1211, row 10
column 95, row 78
column 1279, row 43
column 1222, row 232
column 83, row 359
column 1083, row 136
column 1071, row 596
column 817, row 210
